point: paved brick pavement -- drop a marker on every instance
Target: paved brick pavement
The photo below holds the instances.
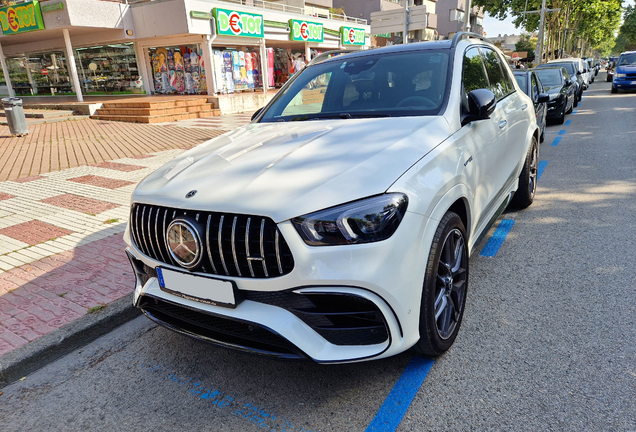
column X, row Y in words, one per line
column 64, row 202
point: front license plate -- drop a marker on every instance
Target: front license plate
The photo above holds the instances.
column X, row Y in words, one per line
column 198, row 288
column 633, row 82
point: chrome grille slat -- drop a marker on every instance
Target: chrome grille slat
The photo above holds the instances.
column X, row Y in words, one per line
column 263, row 242
column 263, row 247
column 157, row 236
column 143, row 235
column 247, row 246
column 238, row 270
column 221, row 245
column 152, row 245
column 207, row 244
column 276, row 246
column 165, row 238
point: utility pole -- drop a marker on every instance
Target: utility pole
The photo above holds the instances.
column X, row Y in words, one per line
column 467, row 17
column 405, row 32
column 539, row 52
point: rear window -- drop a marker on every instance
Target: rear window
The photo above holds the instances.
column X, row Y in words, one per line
column 549, row 77
column 567, row 65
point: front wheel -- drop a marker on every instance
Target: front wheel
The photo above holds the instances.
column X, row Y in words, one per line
column 528, row 178
column 614, row 90
column 445, row 286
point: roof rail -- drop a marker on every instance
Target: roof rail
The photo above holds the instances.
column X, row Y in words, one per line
column 329, row 54
column 464, row 35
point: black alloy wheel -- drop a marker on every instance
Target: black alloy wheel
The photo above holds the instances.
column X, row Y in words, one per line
column 524, row 196
column 445, row 287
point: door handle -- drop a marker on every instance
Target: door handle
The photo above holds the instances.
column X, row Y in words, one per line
column 502, row 124
column 524, row 106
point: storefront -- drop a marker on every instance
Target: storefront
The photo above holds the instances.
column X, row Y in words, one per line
column 172, row 47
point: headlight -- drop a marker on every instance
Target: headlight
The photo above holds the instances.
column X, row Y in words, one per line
column 620, row 75
column 364, row 221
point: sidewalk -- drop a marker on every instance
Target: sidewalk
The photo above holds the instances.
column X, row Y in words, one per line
column 61, row 249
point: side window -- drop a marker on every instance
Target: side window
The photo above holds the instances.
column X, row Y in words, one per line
column 473, row 73
column 498, row 80
column 535, row 88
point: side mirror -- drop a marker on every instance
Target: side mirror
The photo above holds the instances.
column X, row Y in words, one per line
column 256, row 114
column 543, row 97
column 568, row 83
column 481, row 104
column 584, row 70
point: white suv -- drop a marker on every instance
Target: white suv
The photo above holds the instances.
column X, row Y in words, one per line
column 337, row 226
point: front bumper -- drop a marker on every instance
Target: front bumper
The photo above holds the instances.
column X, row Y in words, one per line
column 369, row 308
column 628, row 83
column 556, row 108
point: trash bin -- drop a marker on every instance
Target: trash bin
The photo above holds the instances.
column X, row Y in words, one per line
column 15, row 116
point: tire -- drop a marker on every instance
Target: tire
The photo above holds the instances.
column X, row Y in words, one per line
column 571, row 108
column 576, row 101
column 524, row 196
column 445, row 287
column 560, row 120
column 614, row 90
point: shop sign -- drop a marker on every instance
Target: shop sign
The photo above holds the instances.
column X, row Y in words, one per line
column 234, row 23
column 21, row 18
column 352, row 36
column 304, row 31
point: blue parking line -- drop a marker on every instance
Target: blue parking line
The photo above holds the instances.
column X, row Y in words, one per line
column 497, row 239
column 540, row 168
column 575, row 111
column 562, row 132
column 556, row 141
column 569, row 122
column 399, row 399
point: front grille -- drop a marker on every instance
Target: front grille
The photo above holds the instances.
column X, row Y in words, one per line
column 228, row 332
column 232, row 244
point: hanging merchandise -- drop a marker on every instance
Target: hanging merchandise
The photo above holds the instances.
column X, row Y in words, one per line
column 179, row 72
column 256, row 68
column 156, row 72
column 162, row 53
column 194, row 64
column 270, row 66
column 203, row 83
column 243, row 71
column 227, row 70
column 171, row 72
column 236, row 70
column 249, row 66
column 219, row 74
column 189, row 84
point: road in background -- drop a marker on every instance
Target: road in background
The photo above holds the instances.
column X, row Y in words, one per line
column 547, row 341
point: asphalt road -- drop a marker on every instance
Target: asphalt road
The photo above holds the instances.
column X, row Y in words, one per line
column 548, row 341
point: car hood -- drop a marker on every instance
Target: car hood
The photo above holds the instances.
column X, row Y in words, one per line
column 626, row 69
column 283, row 170
column 553, row 89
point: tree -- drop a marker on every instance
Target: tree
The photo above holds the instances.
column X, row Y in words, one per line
column 524, row 44
column 577, row 25
column 626, row 40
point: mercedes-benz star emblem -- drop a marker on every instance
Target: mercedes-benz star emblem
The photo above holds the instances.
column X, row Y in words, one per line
column 183, row 242
column 191, row 194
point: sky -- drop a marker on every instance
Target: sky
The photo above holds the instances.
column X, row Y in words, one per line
column 494, row 27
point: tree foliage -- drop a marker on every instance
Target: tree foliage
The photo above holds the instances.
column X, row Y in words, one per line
column 626, row 40
column 525, row 44
column 579, row 25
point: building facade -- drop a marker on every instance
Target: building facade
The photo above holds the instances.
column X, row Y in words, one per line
column 451, row 18
column 166, row 46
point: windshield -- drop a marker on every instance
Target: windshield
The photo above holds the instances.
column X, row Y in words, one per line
column 381, row 85
column 549, row 77
column 627, row 59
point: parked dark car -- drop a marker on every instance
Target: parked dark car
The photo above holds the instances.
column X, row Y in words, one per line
column 531, row 85
column 575, row 75
column 558, row 84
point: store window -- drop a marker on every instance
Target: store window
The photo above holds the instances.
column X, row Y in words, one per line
column 237, row 69
column 178, row 70
column 108, row 69
column 40, row 74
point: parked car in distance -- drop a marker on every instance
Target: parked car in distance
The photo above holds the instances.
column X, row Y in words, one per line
column 577, row 77
column 625, row 72
column 338, row 225
column 557, row 83
column 582, row 67
column 531, row 85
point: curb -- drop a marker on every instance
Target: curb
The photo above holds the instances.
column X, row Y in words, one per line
column 50, row 347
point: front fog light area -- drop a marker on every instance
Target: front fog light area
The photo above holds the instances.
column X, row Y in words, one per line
column 364, row 221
